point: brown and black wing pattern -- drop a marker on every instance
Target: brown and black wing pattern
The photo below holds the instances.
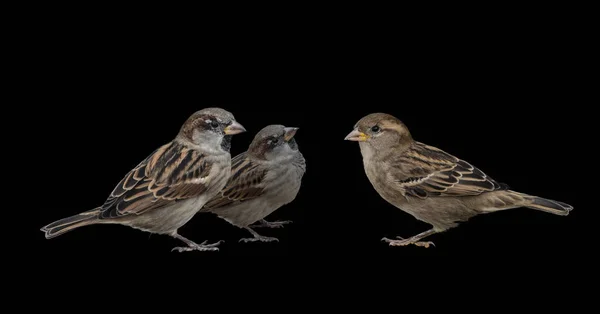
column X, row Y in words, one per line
column 427, row 171
column 173, row 172
column 244, row 184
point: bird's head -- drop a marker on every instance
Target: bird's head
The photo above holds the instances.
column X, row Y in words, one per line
column 211, row 127
column 379, row 131
column 274, row 142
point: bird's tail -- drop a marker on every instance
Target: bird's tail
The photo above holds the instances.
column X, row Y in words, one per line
column 544, row 204
column 549, row 206
column 67, row 224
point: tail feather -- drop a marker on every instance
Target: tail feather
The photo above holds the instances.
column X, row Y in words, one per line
column 549, row 206
column 67, row 224
column 502, row 200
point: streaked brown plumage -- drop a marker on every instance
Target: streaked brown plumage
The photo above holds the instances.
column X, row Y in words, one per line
column 166, row 189
column 430, row 184
column 264, row 178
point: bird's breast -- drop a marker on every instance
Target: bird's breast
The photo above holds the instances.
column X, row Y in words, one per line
column 380, row 177
column 283, row 183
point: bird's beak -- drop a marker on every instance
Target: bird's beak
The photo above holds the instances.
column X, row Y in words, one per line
column 234, row 128
column 357, row 136
column 289, row 133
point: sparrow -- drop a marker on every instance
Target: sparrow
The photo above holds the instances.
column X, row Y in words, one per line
column 171, row 185
column 430, row 184
column 265, row 177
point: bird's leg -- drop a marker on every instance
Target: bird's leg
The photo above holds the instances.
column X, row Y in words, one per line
column 271, row 224
column 257, row 237
column 192, row 246
column 412, row 240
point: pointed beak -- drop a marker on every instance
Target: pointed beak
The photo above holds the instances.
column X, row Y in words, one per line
column 357, row 136
column 234, row 128
column 289, row 133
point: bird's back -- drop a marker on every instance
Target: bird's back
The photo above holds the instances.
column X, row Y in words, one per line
column 256, row 190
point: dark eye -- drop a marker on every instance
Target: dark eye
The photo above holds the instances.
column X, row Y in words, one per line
column 214, row 124
column 274, row 141
column 375, row 129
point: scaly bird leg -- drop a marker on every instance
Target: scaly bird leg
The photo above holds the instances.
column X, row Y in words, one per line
column 192, row 246
column 257, row 237
column 412, row 240
column 274, row 224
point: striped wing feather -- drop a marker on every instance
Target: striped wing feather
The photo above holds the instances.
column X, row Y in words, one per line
column 172, row 173
column 244, row 184
column 425, row 171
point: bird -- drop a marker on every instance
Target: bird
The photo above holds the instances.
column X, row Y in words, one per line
column 165, row 190
column 264, row 178
column 430, row 184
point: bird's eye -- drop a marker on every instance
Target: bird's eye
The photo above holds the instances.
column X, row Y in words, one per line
column 275, row 141
column 214, row 124
column 375, row 129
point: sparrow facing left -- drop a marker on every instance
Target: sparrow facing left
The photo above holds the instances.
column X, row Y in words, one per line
column 171, row 185
column 265, row 177
column 430, row 184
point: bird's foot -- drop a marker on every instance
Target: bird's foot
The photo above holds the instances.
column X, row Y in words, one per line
column 203, row 247
column 409, row 241
column 271, row 224
column 259, row 238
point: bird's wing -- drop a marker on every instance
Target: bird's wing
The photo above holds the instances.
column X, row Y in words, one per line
column 423, row 171
column 245, row 183
column 171, row 173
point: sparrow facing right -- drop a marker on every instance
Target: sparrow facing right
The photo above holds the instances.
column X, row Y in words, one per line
column 430, row 184
column 264, row 178
column 171, row 185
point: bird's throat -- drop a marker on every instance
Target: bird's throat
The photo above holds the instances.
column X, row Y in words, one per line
column 226, row 143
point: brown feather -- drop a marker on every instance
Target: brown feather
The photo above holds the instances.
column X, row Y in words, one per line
column 440, row 174
column 167, row 175
column 244, row 183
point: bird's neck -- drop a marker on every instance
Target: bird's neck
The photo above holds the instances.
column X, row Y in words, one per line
column 280, row 159
column 373, row 153
column 368, row 151
column 212, row 146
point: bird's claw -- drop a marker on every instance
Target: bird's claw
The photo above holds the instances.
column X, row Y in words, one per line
column 198, row 248
column 405, row 242
column 261, row 239
column 272, row 224
column 213, row 244
column 203, row 247
column 424, row 244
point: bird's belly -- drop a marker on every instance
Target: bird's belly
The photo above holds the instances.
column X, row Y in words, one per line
column 246, row 213
column 251, row 211
column 441, row 212
column 167, row 220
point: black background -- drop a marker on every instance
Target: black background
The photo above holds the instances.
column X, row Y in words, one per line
column 336, row 210
column 502, row 99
